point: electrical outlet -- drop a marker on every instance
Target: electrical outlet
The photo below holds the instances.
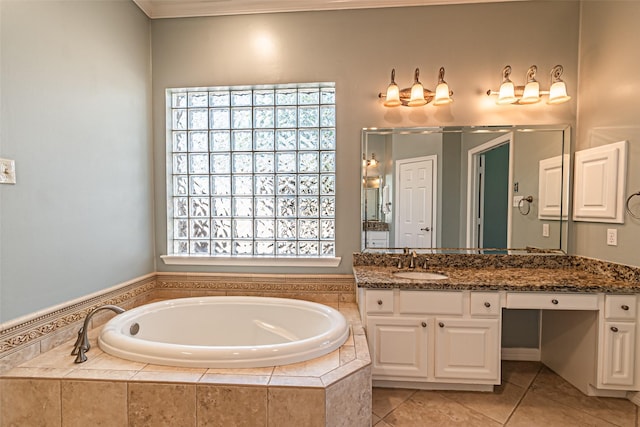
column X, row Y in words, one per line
column 612, row 237
column 545, row 230
column 7, row 171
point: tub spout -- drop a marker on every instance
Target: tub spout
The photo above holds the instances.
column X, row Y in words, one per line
column 82, row 345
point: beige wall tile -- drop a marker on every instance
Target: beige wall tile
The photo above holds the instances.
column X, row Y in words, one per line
column 100, row 374
column 311, row 368
column 29, row 402
column 349, row 401
column 343, row 371
column 231, row 406
column 59, row 337
column 19, row 357
column 168, row 376
column 295, row 407
column 38, row 372
column 234, row 379
column 296, row 381
column 94, row 403
column 152, row 404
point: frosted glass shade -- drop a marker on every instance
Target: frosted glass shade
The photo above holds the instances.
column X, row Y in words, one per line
column 558, row 93
column 393, row 96
column 507, row 93
column 531, row 93
column 417, row 96
column 442, row 95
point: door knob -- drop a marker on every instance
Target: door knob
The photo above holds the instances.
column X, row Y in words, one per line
column 425, row 229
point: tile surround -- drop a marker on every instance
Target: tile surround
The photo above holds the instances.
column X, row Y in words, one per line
column 296, row 394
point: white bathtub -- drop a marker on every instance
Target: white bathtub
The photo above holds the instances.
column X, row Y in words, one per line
column 225, row 332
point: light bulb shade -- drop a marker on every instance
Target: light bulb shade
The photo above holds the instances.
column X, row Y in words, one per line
column 442, row 96
column 558, row 93
column 417, row 95
column 531, row 93
column 393, row 96
column 507, row 93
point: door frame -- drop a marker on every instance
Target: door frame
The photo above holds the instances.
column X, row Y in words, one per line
column 473, row 186
column 434, row 198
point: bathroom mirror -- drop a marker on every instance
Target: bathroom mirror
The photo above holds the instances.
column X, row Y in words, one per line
column 487, row 188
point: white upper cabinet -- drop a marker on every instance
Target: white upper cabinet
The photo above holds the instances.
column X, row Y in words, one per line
column 600, row 175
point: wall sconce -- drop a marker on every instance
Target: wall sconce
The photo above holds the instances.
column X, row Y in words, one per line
column 370, row 167
column 530, row 93
column 417, row 95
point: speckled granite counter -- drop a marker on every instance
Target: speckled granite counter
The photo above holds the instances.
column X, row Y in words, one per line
column 502, row 272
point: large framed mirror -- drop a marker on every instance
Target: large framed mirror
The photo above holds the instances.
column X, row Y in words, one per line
column 473, row 188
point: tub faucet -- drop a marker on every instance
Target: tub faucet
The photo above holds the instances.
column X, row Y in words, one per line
column 82, row 345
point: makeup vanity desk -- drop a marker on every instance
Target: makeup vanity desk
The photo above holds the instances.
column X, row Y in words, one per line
column 445, row 333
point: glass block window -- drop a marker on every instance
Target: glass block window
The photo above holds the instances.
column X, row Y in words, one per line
column 252, row 171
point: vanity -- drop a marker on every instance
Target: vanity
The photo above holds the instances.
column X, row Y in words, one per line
column 444, row 331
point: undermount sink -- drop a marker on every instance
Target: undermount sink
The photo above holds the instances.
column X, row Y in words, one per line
column 419, row 275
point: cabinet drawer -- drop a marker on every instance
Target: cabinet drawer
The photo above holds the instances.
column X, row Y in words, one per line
column 485, row 303
column 622, row 307
column 431, row 302
column 379, row 302
column 552, row 301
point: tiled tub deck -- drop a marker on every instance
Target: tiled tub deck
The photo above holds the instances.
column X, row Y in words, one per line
column 51, row 390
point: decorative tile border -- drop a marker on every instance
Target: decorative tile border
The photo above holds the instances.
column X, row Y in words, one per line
column 19, row 334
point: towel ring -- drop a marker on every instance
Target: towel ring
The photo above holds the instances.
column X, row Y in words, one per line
column 529, row 200
column 636, row 216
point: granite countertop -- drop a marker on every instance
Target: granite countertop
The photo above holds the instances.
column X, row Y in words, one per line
column 565, row 279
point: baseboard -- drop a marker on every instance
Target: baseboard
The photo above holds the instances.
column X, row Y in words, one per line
column 634, row 396
column 521, row 353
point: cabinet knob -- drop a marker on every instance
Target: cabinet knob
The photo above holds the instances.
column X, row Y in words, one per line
column 614, row 329
column 487, row 304
column 424, row 324
column 625, row 307
column 441, row 324
column 379, row 302
column 554, row 301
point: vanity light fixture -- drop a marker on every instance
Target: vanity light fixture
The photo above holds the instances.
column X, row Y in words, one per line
column 370, row 166
column 530, row 93
column 417, row 95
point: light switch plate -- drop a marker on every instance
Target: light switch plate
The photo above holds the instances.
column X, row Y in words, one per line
column 516, row 200
column 7, row 171
column 545, row 230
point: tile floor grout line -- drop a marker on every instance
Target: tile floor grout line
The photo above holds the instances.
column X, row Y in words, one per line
column 526, row 391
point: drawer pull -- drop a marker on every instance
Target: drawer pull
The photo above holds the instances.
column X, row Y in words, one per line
column 614, row 329
column 441, row 324
column 554, row 301
column 487, row 304
column 379, row 302
column 424, row 324
column 625, row 307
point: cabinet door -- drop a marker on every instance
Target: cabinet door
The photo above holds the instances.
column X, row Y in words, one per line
column 618, row 362
column 398, row 346
column 467, row 349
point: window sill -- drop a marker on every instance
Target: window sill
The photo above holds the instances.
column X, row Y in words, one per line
column 252, row 261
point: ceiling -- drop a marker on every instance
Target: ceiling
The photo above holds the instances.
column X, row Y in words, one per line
column 189, row 8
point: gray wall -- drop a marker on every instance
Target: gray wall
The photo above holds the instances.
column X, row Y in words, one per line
column 609, row 111
column 357, row 50
column 75, row 116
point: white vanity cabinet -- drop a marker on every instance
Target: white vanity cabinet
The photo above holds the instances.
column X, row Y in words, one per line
column 375, row 239
column 618, row 344
column 433, row 339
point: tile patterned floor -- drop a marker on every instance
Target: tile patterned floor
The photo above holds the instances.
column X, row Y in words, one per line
column 530, row 395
